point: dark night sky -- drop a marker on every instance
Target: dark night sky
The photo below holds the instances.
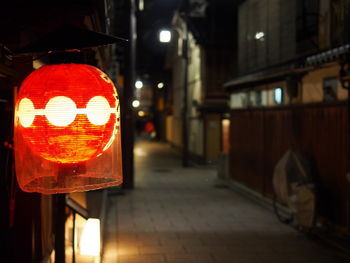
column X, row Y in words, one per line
column 156, row 15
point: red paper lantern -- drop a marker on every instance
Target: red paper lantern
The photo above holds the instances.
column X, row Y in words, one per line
column 67, row 115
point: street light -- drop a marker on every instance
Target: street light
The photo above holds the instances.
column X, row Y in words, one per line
column 136, row 103
column 165, row 36
column 139, row 84
column 160, row 85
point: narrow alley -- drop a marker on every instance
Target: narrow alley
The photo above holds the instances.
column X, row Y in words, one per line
column 177, row 214
column 164, row 131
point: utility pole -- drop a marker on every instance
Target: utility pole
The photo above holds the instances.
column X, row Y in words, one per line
column 60, row 219
column 185, row 126
column 127, row 125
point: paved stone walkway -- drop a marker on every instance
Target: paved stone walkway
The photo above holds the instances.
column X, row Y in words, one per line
column 176, row 214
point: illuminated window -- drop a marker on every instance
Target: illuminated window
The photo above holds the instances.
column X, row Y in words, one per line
column 245, row 99
column 258, row 98
column 330, row 89
column 278, row 95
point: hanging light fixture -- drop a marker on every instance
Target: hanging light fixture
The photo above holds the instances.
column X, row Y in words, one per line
column 67, row 130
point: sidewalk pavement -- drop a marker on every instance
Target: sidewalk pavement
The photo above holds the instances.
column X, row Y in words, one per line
column 176, row 214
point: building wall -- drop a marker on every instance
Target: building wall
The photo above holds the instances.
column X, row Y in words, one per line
column 310, row 90
column 273, row 40
column 212, row 136
column 177, row 85
column 275, row 21
column 309, row 122
column 176, row 139
column 324, row 24
column 196, row 146
column 261, row 136
column 195, row 82
column 169, row 128
column 174, row 130
column 237, row 100
column 194, row 63
column 210, row 62
column 312, row 85
column 195, row 97
column 208, row 67
column 27, row 220
column 218, row 64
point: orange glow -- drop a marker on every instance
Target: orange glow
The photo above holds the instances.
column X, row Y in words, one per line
column 68, row 113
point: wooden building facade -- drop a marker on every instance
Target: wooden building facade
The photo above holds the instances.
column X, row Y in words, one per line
column 290, row 93
column 28, row 221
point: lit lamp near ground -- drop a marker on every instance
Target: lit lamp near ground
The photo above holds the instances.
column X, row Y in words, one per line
column 90, row 244
column 67, row 130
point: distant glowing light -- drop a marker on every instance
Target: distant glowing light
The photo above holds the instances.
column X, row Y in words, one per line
column 136, row 103
column 160, row 85
column 140, row 152
column 141, row 5
column 139, row 84
column 141, row 113
column 165, row 36
column 90, row 244
column 259, row 35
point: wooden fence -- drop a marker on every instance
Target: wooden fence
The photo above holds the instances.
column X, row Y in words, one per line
column 260, row 137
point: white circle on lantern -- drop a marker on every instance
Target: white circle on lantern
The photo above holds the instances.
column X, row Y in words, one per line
column 60, row 111
column 98, row 110
column 26, row 112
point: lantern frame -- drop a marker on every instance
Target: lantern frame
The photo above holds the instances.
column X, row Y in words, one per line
column 91, row 157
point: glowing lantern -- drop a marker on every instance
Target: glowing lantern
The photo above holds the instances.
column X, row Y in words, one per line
column 67, row 130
